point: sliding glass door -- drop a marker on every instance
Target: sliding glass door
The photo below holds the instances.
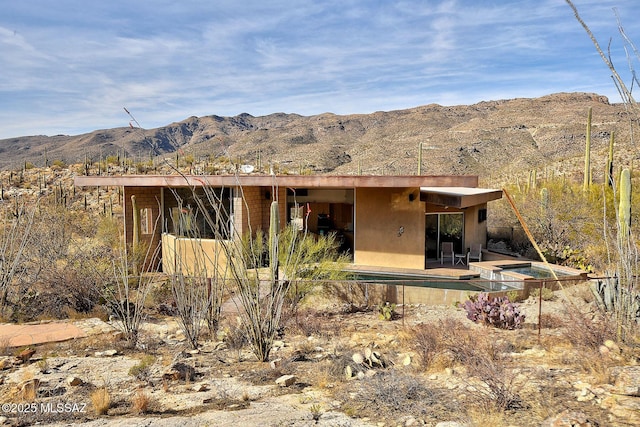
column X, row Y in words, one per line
column 443, row 227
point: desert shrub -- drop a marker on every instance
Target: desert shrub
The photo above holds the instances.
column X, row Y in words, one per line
column 307, row 322
column 551, row 321
column 142, row 370
column 101, row 400
column 424, row 341
column 547, row 294
column 140, row 402
column 391, row 394
column 587, row 330
column 498, row 312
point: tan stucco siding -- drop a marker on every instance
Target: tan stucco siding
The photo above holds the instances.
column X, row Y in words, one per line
column 146, row 198
column 475, row 232
column 192, row 257
column 389, row 228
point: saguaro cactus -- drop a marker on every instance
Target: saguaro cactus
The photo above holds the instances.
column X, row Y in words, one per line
column 274, row 226
column 609, row 171
column 624, row 208
column 544, row 198
column 587, row 155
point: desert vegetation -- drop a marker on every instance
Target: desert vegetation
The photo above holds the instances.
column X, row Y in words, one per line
column 277, row 334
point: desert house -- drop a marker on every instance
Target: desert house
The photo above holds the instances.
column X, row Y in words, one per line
column 383, row 221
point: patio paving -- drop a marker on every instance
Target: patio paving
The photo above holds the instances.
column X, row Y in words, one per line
column 20, row 335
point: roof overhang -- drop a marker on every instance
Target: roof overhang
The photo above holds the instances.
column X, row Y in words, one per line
column 293, row 181
column 458, row 197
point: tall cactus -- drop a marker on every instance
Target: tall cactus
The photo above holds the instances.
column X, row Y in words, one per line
column 420, row 158
column 624, row 208
column 609, row 171
column 587, row 155
column 544, row 198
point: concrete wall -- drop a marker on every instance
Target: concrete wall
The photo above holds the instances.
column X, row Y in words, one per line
column 389, row 228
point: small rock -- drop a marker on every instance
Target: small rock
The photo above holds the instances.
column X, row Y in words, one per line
column 26, row 354
column 370, row 373
column 194, row 352
column 406, row 361
column 358, row 358
column 449, row 371
column 410, row 421
column 286, row 380
column 73, row 381
column 368, row 353
column 278, row 344
column 200, row 387
column 275, row 364
column 106, row 353
column 3, row 420
column 433, row 377
column 348, row 372
column 611, row 345
column 5, row 363
column 360, row 375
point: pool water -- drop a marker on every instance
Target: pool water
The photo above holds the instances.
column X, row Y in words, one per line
column 535, row 272
column 435, row 282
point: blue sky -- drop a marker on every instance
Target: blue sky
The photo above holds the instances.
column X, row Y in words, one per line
column 69, row 67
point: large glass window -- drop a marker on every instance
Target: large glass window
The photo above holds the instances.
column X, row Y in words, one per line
column 443, row 227
column 203, row 213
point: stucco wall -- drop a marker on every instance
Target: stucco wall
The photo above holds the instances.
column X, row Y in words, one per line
column 475, row 232
column 191, row 257
column 146, row 198
column 389, row 228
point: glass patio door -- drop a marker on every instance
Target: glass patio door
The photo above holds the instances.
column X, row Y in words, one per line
column 443, row 227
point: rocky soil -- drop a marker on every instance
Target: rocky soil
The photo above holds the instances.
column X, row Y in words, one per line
column 331, row 368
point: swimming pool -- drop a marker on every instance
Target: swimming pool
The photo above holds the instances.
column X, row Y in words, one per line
column 419, row 281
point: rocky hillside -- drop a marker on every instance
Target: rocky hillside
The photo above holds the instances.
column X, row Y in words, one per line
column 494, row 138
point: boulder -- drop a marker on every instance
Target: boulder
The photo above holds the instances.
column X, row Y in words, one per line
column 286, row 380
column 73, row 381
column 180, row 372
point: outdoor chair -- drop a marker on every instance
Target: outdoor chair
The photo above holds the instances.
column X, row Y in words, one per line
column 446, row 251
column 475, row 253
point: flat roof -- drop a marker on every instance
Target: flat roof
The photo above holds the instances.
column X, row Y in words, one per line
column 297, row 181
column 458, row 197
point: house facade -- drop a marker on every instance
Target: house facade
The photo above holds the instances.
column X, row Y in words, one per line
column 383, row 221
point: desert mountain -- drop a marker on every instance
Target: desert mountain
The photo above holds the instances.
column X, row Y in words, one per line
column 487, row 138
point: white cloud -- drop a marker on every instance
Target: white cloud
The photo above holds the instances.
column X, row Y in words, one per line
column 72, row 68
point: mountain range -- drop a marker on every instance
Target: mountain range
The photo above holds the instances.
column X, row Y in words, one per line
column 492, row 138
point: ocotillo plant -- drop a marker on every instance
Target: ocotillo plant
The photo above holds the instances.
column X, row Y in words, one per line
column 624, row 208
column 587, row 154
